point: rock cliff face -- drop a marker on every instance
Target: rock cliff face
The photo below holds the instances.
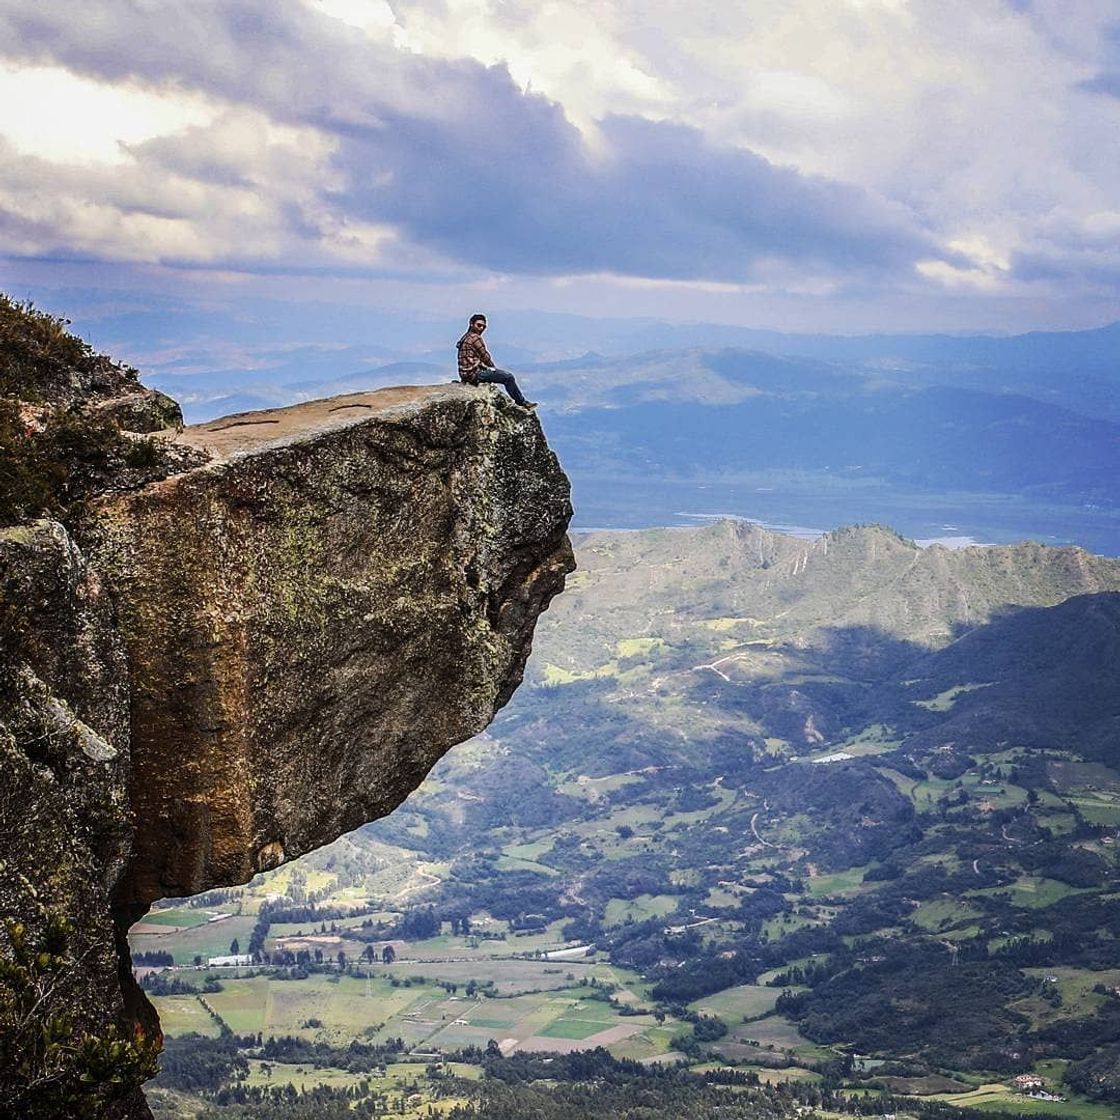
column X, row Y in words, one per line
column 237, row 663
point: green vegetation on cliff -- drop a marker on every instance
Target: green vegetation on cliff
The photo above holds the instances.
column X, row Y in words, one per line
column 64, row 414
column 53, row 1066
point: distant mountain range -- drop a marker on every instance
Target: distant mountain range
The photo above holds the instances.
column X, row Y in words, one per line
column 997, row 438
column 275, row 350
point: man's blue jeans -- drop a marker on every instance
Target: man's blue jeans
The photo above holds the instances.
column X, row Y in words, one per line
column 502, row 377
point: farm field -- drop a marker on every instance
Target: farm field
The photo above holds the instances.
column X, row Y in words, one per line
column 998, row 1098
column 205, row 940
column 179, row 1015
column 736, row 1004
column 531, row 1010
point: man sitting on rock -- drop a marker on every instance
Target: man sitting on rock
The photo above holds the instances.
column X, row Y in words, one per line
column 477, row 367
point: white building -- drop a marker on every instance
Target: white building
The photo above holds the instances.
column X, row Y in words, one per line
column 236, row 959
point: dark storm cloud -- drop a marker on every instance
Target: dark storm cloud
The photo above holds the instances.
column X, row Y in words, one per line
column 462, row 163
column 1087, row 267
column 519, row 192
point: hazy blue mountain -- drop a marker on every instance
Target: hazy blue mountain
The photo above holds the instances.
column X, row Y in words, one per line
column 288, row 341
column 994, row 438
column 929, row 439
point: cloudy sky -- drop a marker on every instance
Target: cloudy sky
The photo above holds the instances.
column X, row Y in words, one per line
column 801, row 164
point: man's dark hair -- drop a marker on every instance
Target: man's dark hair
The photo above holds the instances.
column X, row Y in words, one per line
column 475, row 318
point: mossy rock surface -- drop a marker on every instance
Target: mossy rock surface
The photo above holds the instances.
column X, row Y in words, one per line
column 234, row 642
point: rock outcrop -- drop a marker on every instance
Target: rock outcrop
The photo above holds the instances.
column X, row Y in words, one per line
column 230, row 666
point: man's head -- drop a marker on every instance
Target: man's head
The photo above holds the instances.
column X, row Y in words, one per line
column 478, row 323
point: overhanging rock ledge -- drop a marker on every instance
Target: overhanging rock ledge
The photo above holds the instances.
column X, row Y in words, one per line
column 291, row 634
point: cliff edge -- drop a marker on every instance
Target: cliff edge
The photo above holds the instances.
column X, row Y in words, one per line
column 265, row 642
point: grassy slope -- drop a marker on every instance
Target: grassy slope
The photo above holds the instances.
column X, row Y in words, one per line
column 602, row 757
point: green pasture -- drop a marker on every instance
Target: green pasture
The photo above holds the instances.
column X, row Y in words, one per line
column 400, row 1079
column 572, row 1028
column 726, row 800
column 1099, row 812
column 1076, row 987
column 243, row 1004
column 999, row 1098
column 510, row 977
column 876, row 738
column 341, row 1003
column 944, row 701
column 179, row 1015
column 1004, row 795
column 1031, row 892
column 210, row 940
column 183, row 917
column 593, row 789
column 299, row 929
column 530, row 852
column 466, row 948
column 640, row 908
column 788, row 831
column 800, row 962
column 1060, row 824
column 1036, row 892
column 775, row 1032
column 654, row 1042
column 736, row 1004
column 770, row 1075
column 471, row 948
column 304, row 1077
column 926, row 793
column 849, row 881
column 782, row 924
column 939, row 914
column 722, row 898
column 948, row 860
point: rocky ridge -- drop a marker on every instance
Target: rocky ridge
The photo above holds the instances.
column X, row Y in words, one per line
column 264, row 642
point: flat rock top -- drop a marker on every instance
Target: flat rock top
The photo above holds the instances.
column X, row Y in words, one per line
column 249, row 431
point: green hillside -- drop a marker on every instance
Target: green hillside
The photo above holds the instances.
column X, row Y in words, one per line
column 841, row 812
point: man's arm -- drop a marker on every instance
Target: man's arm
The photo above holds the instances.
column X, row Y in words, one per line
column 483, row 353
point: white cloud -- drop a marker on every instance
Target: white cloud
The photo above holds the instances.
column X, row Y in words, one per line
column 971, row 113
column 352, row 133
column 374, row 17
column 64, row 117
column 574, row 53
